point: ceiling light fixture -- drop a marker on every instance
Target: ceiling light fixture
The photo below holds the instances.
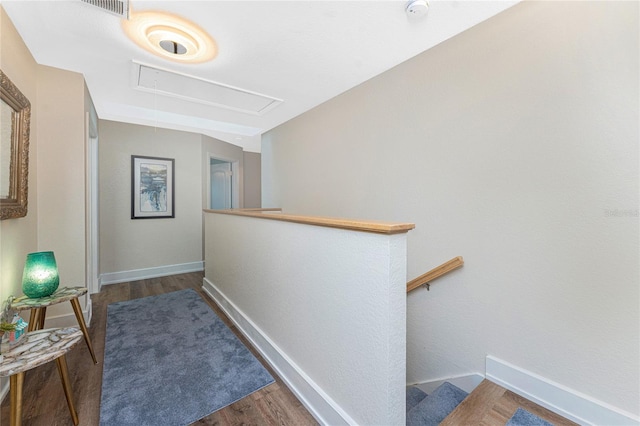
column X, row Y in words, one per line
column 170, row 36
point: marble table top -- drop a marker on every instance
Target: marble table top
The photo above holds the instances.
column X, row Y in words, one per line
column 62, row 294
column 37, row 348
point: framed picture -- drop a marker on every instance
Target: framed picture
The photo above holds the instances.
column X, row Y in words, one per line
column 152, row 187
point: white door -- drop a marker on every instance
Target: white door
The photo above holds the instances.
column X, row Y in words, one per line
column 221, row 185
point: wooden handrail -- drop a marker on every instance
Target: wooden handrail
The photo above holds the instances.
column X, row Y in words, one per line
column 436, row 272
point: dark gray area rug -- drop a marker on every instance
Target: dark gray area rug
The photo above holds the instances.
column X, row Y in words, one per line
column 434, row 408
column 524, row 418
column 414, row 396
column 170, row 360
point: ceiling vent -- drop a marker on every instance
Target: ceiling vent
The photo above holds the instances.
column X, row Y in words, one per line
column 194, row 89
column 116, row 7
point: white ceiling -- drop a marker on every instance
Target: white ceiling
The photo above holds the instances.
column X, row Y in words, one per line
column 300, row 52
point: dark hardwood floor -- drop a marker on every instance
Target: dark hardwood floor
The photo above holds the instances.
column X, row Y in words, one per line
column 44, row 403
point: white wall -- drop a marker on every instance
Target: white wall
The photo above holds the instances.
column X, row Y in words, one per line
column 515, row 145
column 325, row 306
column 135, row 244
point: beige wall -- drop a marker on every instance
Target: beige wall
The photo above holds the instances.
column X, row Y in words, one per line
column 55, row 216
column 19, row 236
column 252, row 182
column 61, row 171
column 515, row 145
column 131, row 244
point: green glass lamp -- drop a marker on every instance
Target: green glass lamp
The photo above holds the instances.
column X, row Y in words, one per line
column 40, row 277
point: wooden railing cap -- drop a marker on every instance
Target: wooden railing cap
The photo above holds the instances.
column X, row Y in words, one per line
column 350, row 224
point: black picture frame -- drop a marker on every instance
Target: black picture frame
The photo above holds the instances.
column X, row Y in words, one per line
column 152, row 187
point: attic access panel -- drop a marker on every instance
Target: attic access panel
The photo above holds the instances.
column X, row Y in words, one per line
column 203, row 91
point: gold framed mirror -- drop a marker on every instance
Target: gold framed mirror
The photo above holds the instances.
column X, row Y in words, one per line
column 15, row 119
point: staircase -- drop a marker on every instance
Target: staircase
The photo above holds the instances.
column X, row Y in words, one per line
column 488, row 404
column 431, row 410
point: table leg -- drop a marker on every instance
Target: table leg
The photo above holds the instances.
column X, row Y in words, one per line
column 15, row 384
column 64, row 377
column 43, row 314
column 83, row 326
column 33, row 319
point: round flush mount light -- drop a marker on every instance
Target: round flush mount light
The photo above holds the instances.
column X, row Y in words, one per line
column 170, row 36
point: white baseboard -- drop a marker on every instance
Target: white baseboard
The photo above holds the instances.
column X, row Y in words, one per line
column 142, row 274
column 560, row 399
column 319, row 404
column 467, row 383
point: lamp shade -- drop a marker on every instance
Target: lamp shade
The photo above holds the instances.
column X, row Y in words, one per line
column 40, row 276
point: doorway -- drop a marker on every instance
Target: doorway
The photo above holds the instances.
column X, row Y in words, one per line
column 223, row 184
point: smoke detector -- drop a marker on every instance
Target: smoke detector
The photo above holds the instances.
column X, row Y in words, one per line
column 417, row 8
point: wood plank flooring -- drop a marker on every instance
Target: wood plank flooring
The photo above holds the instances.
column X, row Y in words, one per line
column 491, row 405
column 44, row 403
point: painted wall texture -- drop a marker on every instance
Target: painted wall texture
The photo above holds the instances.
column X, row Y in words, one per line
column 515, row 145
column 252, row 187
column 19, row 236
column 129, row 244
column 353, row 352
column 56, row 215
column 132, row 244
column 61, row 170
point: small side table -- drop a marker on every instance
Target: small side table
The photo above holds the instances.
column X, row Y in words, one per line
column 37, row 348
column 39, row 310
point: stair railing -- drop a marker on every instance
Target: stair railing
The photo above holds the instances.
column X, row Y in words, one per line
column 438, row 271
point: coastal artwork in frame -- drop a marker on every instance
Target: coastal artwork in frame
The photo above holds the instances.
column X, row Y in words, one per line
column 152, row 187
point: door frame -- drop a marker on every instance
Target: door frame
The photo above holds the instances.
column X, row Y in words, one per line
column 92, row 217
column 235, row 180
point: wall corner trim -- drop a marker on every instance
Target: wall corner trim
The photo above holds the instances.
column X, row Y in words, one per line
column 558, row 398
column 319, row 404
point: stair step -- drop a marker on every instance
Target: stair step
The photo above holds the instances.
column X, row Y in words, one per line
column 523, row 417
column 434, row 408
column 492, row 404
column 414, row 396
